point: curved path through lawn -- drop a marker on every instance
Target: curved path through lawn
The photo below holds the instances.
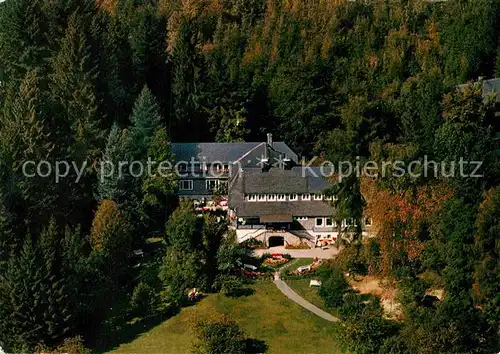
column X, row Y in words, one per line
column 292, row 295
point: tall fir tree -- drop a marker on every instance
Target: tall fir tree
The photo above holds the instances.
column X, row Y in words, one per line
column 34, row 295
column 76, row 119
column 23, row 41
column 110, row 182
column 146, row 119
column 158, row 185
column 25, row 140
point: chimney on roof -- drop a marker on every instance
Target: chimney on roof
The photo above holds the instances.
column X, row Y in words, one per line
column 267, row 153
column 270, row 139
column 287, row 163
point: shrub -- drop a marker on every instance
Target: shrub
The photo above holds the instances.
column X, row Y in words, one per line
column 221, row 335
column 231, row 285
column 364, row 329
column 143, row 299
column 333, row 286
column 73, row 345
column 350, row 259
column 370, row 252
column 265, row 256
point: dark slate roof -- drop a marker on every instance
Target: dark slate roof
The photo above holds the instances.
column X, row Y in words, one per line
column 227, row 152
column 297, row 180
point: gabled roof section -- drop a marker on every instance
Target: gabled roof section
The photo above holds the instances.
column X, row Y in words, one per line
column 297, row 180
column 248, row 153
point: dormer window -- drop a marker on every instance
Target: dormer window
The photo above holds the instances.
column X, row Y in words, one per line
column 271, row 197
column 186, row 185
column 293, row 197
column 212, row 184
column 261, row 197
column 252, row 198
column 306, row 196
column 281, row 197
column 368, row 221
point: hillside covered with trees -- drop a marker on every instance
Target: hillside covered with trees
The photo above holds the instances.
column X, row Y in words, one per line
column 117, row 80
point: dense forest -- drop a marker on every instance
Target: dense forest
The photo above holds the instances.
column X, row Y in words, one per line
column 85, row 80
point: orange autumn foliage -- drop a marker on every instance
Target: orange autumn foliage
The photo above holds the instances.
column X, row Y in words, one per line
column 107, row 5
column 398, row 216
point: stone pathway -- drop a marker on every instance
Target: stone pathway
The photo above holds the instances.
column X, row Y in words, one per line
column 292, row 295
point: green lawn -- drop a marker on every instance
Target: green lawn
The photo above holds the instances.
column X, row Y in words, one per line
column 266, row 315
column 301, row 287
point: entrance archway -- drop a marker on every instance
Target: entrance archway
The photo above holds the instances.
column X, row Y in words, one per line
column 275, row 241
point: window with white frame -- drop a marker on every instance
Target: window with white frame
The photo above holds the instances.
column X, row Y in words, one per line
column 252, row 198
column 319, row 221
column 318, row 196
column 186, row 185
column 271, row 197
column 329, row 222
column 306, row 196
column 368, row 221
column 212, row 184
column 281, row 197
column 302, row 218
column 261, row 197
column 293, row 197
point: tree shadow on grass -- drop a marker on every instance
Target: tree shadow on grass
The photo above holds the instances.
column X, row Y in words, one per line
column 242, row 292
column 255, row 346
column 121, row 329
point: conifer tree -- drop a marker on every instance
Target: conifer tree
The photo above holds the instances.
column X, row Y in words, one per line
column 24, row 136
column 76, row 119
column 146, row 119
column 34, row 295
column 187, row 84
column 158, row 186
column 73, row 91
column 120, row 86
column 110, row 183
column 23, row 42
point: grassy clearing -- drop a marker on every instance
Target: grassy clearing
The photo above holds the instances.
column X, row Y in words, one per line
column 301, row 287
column 266, row 315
